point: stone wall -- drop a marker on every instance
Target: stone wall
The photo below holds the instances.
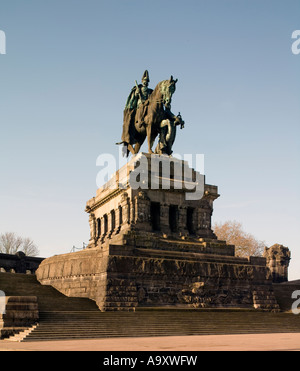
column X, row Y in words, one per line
column 78, row 274
column 20, row 313
column 125, row 277
column 19, row 263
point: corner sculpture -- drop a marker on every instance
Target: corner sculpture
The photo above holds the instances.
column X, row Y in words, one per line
column 147, row 114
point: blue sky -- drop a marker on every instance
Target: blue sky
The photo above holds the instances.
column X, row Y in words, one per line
column 69, row 67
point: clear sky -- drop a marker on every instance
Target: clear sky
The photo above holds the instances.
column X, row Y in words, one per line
column 69, row 67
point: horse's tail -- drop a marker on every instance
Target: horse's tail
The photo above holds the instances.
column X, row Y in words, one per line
column 125, row 150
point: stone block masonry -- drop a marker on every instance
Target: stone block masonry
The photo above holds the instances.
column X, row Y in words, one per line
column 156, row 248
column 21, row 312
column 124, row 279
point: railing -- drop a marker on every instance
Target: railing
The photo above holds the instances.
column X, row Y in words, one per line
column 74, row 248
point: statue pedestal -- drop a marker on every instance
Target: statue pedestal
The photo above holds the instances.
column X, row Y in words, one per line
column 151, row 244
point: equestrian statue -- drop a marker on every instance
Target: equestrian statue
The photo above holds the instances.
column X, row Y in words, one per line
column 147, row 114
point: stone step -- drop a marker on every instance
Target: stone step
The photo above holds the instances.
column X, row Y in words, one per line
column 89, row 325
column 22, row 335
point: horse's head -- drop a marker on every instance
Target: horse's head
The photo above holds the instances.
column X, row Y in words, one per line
column 168, row 88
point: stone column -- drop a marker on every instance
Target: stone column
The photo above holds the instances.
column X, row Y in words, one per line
column 125, row 211
column 92, row 222
column 98, row 230
column 182, row 218
column 109, row 226
column 104, row 227
column 119, row 213
column 132, row 211
column 203, row 221
column 164, row 219
column 142, row 212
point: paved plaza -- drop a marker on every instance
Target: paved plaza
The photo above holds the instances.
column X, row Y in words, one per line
column 249, row 342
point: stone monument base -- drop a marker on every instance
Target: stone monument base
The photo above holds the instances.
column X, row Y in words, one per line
column 152, row 245
column 144, row 270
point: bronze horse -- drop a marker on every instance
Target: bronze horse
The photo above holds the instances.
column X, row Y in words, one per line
column 145, row 120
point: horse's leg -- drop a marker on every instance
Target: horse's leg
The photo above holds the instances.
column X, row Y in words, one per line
column 131, row 149
column 137, row 148
column 139, row 143
column 150, row 140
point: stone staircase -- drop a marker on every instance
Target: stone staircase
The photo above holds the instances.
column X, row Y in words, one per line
column 63, row 318
column 20, row 336
column 91, row 325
